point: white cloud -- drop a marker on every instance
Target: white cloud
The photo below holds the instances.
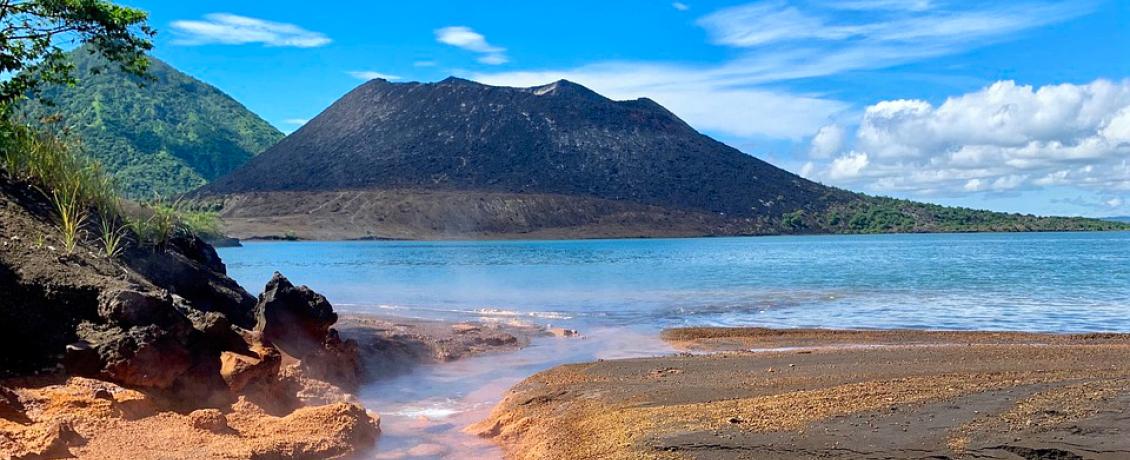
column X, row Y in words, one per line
column 680, row 6
column 827, row 141
column 1003, row 137
column 425, row 63
column 764, row 22
column 772, row 21
column 296, row 121
column 230, row 29
column 371, row 75
column 848, row 166
column 466, row 38
column 778, row 43
column 871, row 5
column 493, row 59
column 1114, row 202
column 705, row 103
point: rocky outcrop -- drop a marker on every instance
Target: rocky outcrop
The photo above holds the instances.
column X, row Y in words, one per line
column 238, row 370
column 297, row 321
column 168, row 324
column 139, row 356
column 197, row 276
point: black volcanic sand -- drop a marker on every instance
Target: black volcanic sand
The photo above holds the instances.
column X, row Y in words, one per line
column 832, row 394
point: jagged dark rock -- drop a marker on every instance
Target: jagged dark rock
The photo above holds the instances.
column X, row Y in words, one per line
column 192, row 270
column 297, row 320
column 139, row 356
column 135, row 308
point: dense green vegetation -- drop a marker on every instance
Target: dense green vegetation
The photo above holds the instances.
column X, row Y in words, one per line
column 159, row 135
column 889, row 215
column 33, row 34
column 85, row 200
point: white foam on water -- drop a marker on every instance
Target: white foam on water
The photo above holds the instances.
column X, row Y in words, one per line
column 429, row 412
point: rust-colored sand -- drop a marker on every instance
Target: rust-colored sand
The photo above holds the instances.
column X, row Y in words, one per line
column 86, row 418
column 944, row 395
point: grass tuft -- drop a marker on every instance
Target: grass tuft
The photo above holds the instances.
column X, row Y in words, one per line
column 72, row 215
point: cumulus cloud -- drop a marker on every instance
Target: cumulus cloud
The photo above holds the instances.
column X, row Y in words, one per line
column 680, row 6
column 466, row 38
column 848, row 166
column 827, row 141
column 371, row 75
column 1004, row 137
column 230, row 29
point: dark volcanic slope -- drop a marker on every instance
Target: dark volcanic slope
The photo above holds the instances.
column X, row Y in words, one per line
column 556, row 139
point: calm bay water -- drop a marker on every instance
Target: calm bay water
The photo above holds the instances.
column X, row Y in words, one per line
column 1034, row 281
column 619, row 293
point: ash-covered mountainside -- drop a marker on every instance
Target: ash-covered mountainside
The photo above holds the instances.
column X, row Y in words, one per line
column 560, row 138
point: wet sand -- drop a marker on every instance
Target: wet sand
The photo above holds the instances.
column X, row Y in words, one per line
column 392, row 345
column 831, row 394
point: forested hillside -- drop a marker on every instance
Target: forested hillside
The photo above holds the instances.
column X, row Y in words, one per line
column 161, row 135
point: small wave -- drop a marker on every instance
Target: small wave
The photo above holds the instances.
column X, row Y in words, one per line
column 513, row 313
column 429, row 412
column 485, row 312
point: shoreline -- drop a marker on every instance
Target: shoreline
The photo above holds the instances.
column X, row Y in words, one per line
column 564, row 237
column 726, row 393
column 904, row 393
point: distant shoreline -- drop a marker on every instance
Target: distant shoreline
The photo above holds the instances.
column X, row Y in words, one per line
column 604, row 238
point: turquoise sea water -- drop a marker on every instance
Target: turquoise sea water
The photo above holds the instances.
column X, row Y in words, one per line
column 620, row 293
column 1033, row 281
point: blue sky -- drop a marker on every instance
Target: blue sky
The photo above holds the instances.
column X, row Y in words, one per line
column 1013, row 105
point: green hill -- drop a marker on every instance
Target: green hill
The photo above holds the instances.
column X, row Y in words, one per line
column 164, row 136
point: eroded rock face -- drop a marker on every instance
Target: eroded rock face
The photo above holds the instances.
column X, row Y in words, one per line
column 37, row 321
column 197, row 276
column 136, row 308
column 146, row 357
column 297, row 320
column 84, row 418
column 338, row 361
column 261, row 363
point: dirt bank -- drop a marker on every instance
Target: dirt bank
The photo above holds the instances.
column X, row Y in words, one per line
column 900, row 394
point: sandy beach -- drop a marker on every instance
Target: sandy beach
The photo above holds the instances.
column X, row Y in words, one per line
column 831, row 394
